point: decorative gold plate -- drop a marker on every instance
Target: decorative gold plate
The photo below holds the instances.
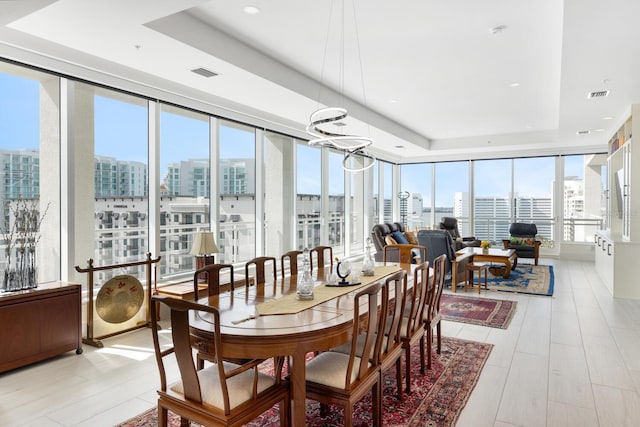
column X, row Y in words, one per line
column 119, row 299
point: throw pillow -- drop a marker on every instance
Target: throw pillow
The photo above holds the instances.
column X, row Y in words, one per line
column 399, row 237
column 522, row 241
column 411, row 237
column 389, row 240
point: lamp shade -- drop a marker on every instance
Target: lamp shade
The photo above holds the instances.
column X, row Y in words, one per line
column 203, row 244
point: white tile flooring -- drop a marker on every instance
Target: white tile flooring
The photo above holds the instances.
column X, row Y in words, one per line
column 569, row 360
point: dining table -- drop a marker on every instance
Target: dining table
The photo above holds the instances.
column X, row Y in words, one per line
column 267, row 320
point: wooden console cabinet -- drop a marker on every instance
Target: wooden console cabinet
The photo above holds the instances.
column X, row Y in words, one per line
column 40, row 323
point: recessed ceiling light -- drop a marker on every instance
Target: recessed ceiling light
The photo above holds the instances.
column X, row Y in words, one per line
column 514, row 84
column 607, row 118
column 583, row 132
column 392, row 101
column 599, row 130
column 498, row 29
column 251, row 10
column 399, row 146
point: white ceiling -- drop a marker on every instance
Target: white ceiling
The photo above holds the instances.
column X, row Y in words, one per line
column 430, row 76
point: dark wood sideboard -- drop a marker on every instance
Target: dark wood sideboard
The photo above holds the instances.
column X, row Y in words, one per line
column 39, row 323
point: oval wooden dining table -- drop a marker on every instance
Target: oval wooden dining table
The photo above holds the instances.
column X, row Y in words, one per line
column 247, row 335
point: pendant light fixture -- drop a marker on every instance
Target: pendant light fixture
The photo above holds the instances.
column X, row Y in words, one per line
column 321, row 120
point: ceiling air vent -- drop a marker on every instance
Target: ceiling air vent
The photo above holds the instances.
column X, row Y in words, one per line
column 204, row 72
column 598, row 94
column 583, row 132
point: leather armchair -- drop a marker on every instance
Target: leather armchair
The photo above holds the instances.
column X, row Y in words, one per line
column 451, row 225
column 378, row 234
column 439, row 242
column 523, row 240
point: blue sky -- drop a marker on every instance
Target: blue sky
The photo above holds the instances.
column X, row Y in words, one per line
column 121, row 132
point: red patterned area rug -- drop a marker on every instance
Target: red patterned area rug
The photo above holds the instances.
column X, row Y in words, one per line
column 494, row 313
column 437, row 399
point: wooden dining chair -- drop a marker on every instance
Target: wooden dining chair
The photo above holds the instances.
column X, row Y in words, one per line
column 211, row 273
column 395, row 286
column 260, row 264
column 343, row 379
column 290, row 258
column 404, row 253
column 320, row 253
column 412, row 329
column 223, row 394
column 432, row 315
column 394, row 291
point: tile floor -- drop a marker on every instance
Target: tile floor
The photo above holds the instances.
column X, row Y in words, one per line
column 569, row 360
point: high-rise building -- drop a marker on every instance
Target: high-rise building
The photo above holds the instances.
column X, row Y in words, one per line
column 119, row 178
column 20, row 171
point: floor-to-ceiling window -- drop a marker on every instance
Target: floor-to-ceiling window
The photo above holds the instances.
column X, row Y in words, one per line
column 30, row 170
column 358, row 185
column 108, row 141
column 584, row 199
column 387, row 191
column 308, row 198
column 416, row 182
column 492, row 199
column 335, row 221
column 185, row 186
column 237, row 174
column 533, row 181
column 117, row 124
column 375, row 205
column 452, row 194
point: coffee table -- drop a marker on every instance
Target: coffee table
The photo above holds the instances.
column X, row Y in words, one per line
column 507, row 257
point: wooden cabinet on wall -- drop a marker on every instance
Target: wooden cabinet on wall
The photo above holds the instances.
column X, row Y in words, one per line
column 618, row 247
column 40, row 323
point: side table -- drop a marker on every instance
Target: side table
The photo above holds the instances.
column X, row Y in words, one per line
column 470, row 271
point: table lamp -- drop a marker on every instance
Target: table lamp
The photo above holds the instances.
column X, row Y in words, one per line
column 203, row 248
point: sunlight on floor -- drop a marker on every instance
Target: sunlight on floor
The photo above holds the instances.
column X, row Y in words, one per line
column 135, row 353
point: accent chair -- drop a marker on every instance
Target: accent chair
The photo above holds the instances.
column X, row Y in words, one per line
column 523, row 239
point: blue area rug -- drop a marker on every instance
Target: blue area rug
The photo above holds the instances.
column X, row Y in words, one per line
column 526, row 279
